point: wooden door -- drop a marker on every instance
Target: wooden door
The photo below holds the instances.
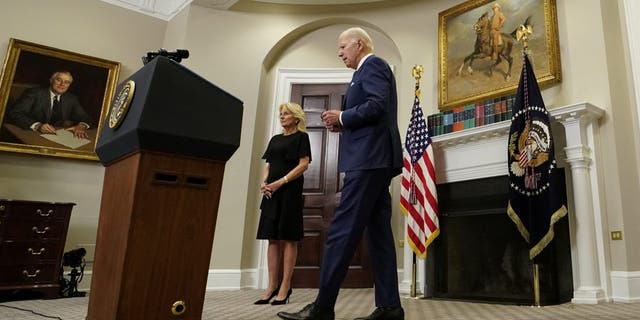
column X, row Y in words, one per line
column 322, row 187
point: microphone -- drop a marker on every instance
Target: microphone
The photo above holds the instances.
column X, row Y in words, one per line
column 176, row 56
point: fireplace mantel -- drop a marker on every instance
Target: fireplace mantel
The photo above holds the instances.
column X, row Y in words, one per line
column 481, row 152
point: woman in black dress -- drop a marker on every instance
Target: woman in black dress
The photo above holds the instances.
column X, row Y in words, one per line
column 287, row 156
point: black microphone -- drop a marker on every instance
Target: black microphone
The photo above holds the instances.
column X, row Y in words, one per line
column 176, row 56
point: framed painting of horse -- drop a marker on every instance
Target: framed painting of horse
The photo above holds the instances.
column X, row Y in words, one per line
column 480, row 58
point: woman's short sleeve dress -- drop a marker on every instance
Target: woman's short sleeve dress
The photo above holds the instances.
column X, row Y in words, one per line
column 281, row 216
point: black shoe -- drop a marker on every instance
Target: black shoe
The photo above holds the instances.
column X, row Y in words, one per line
column 277, row 302
column 385, row 313
column 310, row 312
column 266, row 301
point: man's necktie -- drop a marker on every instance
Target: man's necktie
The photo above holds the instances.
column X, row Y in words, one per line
column 56, row 115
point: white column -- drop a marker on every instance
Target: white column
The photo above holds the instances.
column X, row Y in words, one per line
column 580, row 123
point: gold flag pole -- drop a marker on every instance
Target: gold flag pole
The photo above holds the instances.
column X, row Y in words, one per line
column 536, row 285
column 417, row 74
column 413, row 276
column 522, row 35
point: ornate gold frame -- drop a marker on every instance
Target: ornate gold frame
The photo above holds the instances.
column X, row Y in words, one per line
column 28, row 65
column 457, row 40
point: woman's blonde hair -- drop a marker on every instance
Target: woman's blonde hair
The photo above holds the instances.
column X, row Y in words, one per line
column 297, row 112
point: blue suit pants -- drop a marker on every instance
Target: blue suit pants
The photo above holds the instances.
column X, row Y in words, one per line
column 365, row 205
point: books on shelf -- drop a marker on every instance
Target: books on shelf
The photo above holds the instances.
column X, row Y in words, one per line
column 471, row 115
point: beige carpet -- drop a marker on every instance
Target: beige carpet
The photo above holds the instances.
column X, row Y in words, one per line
column 238, row 305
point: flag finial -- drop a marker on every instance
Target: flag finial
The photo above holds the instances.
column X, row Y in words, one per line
column 417, row 74
column 522, row 34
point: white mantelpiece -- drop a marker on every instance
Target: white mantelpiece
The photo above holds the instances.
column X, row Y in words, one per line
column 481, row 152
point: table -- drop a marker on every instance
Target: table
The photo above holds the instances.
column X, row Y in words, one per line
column 31, row 137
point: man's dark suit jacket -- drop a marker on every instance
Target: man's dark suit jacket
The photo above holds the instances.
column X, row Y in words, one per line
column 34, row 105
column 370, row 137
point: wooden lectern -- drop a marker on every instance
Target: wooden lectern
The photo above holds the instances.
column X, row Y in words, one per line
column 164, row 159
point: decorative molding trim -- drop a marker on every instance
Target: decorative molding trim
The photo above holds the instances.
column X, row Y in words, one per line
column 231, row 279
column 472, row 135
column 588, row 295
column 488, row 145
column 625, row 286
column 161, row 9
column 404, row 285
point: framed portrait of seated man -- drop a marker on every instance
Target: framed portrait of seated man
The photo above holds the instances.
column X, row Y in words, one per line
column 53, row 101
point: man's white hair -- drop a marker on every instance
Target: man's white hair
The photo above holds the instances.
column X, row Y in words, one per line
column 357, row 33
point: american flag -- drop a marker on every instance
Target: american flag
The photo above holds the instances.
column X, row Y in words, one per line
column 418, row 198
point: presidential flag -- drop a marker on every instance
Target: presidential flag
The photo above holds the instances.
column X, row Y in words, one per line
column 418, row 198
column 536, row 200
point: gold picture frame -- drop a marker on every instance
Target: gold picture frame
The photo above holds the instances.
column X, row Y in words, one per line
column 468, row 73
column 27, row 71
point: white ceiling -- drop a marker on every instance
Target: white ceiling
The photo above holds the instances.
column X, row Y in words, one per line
column 166, row 9
column 317, row 2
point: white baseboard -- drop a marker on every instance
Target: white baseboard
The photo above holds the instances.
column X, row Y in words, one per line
column 217, row 279
column 625, row 286
column 232, row 279
column 404, row 286
column 222, row 279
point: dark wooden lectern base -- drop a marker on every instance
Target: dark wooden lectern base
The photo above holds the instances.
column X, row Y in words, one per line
column 155, row 234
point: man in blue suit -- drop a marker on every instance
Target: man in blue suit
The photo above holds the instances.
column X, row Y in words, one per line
column 47, row 108
column 370, row 156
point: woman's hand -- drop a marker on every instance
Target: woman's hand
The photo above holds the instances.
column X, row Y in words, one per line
column 265, row 191
column 268, row 190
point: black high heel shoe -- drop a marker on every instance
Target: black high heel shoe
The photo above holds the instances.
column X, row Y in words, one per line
column 271, row 296
column 277, row 302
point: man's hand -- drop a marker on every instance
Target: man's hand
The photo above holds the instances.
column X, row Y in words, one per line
column 335, row 128
column 46, row 128
column 79, row 131
column 331, row 120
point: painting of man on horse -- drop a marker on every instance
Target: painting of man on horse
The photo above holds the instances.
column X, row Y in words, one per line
column 491, row 42
column 478, row 51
